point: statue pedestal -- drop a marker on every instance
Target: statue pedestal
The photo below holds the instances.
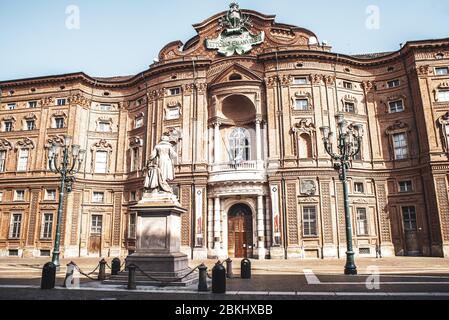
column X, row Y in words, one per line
column 158, row 243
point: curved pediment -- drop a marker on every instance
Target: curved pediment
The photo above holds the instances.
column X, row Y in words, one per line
column 239, row 32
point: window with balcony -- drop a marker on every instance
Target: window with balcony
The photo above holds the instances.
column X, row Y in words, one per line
column 240, row 147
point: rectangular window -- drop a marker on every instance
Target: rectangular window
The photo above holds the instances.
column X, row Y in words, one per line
column 61, row 102
column 442, row 71
column 302, row 104
column 309, row 221
column 400, row 146
column 347, row 85
column 16, row 224
column 22, row 164
column 405, row 186
column 362, row 222
column 409, row 215
column 104, row 126
column 138, row 123
column 11, row 106
column 393, row 84
column 19, row 195
column 47, row 226
column 396, row 106
column 8, row 126
column 349, row 107
column 173, row 113
column 300, row 80
column 105, row 107
column 50, row 194
column 132, row 226
column 31, row 125
column 32, row 104
column 1, row 196
column 59, row 123
column 133, row 196
column 174, row 91
column 101, row 161
column 97, row 224
column 443, row 96
column 98, row 197
column 359, row 187
column 139, row 102
column 13, row 253
column 2, row 160
column 358, row 156
column 135, row 160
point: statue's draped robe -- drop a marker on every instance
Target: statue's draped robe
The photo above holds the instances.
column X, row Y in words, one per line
column 160, row 168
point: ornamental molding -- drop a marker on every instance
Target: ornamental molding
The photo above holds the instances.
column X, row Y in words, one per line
column 9, row 118
column 304, row 126
column 5, row 145
column 398, row 127
column 443, row 85
column 48, row 101
column 316, row 79
column 30, row 116
column 102, row 145
column 135, row 142
column 423, row 70
column 79, row 99
column 59, row 114
column 58, row 140
column 24, row 143
column 368, row 85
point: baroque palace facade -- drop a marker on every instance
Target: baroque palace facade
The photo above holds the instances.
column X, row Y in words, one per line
column 242, row 102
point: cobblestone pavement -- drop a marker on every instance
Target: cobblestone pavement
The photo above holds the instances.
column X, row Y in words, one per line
column 392, row 278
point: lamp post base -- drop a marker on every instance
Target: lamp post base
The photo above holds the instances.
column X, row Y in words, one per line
column 350, row 267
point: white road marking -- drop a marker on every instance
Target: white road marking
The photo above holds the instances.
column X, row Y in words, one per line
column 311, row 277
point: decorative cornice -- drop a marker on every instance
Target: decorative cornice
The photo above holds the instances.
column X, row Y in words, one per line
column 25, row 143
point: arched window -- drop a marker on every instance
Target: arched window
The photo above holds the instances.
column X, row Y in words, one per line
column 240, row 146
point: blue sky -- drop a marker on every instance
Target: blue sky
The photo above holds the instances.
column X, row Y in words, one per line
column 118, row 37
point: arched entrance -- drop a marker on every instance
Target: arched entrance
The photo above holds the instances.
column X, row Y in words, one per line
column 240, row 231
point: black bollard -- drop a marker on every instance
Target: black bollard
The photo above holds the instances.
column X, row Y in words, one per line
column 229, row 268
column 115, row 268
column 48, row 276
column 102, row 272
column 245, row 269
column 218, row 278
column 132, row 278
column 69, row 273
column 202, row 283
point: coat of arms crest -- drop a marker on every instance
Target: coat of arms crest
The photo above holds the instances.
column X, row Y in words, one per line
column 235, row 37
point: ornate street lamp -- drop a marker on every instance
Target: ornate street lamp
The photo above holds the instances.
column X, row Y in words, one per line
column 349, row 144
column 66, row 167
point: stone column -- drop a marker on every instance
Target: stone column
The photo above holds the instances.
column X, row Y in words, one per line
column 217, row 226
column 210, row 224
column 260, row 229
column 217, row 141
column 258, row 140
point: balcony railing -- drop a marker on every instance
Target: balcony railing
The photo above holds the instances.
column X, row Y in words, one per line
column 240, row 166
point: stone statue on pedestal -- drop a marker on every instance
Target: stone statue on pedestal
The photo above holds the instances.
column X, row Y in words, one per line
column 159, row 171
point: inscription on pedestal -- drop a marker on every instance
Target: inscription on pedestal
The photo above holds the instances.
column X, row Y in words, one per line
column 154, row 233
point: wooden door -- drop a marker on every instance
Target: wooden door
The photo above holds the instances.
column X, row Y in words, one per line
column 410, row 231
column 239, row 236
